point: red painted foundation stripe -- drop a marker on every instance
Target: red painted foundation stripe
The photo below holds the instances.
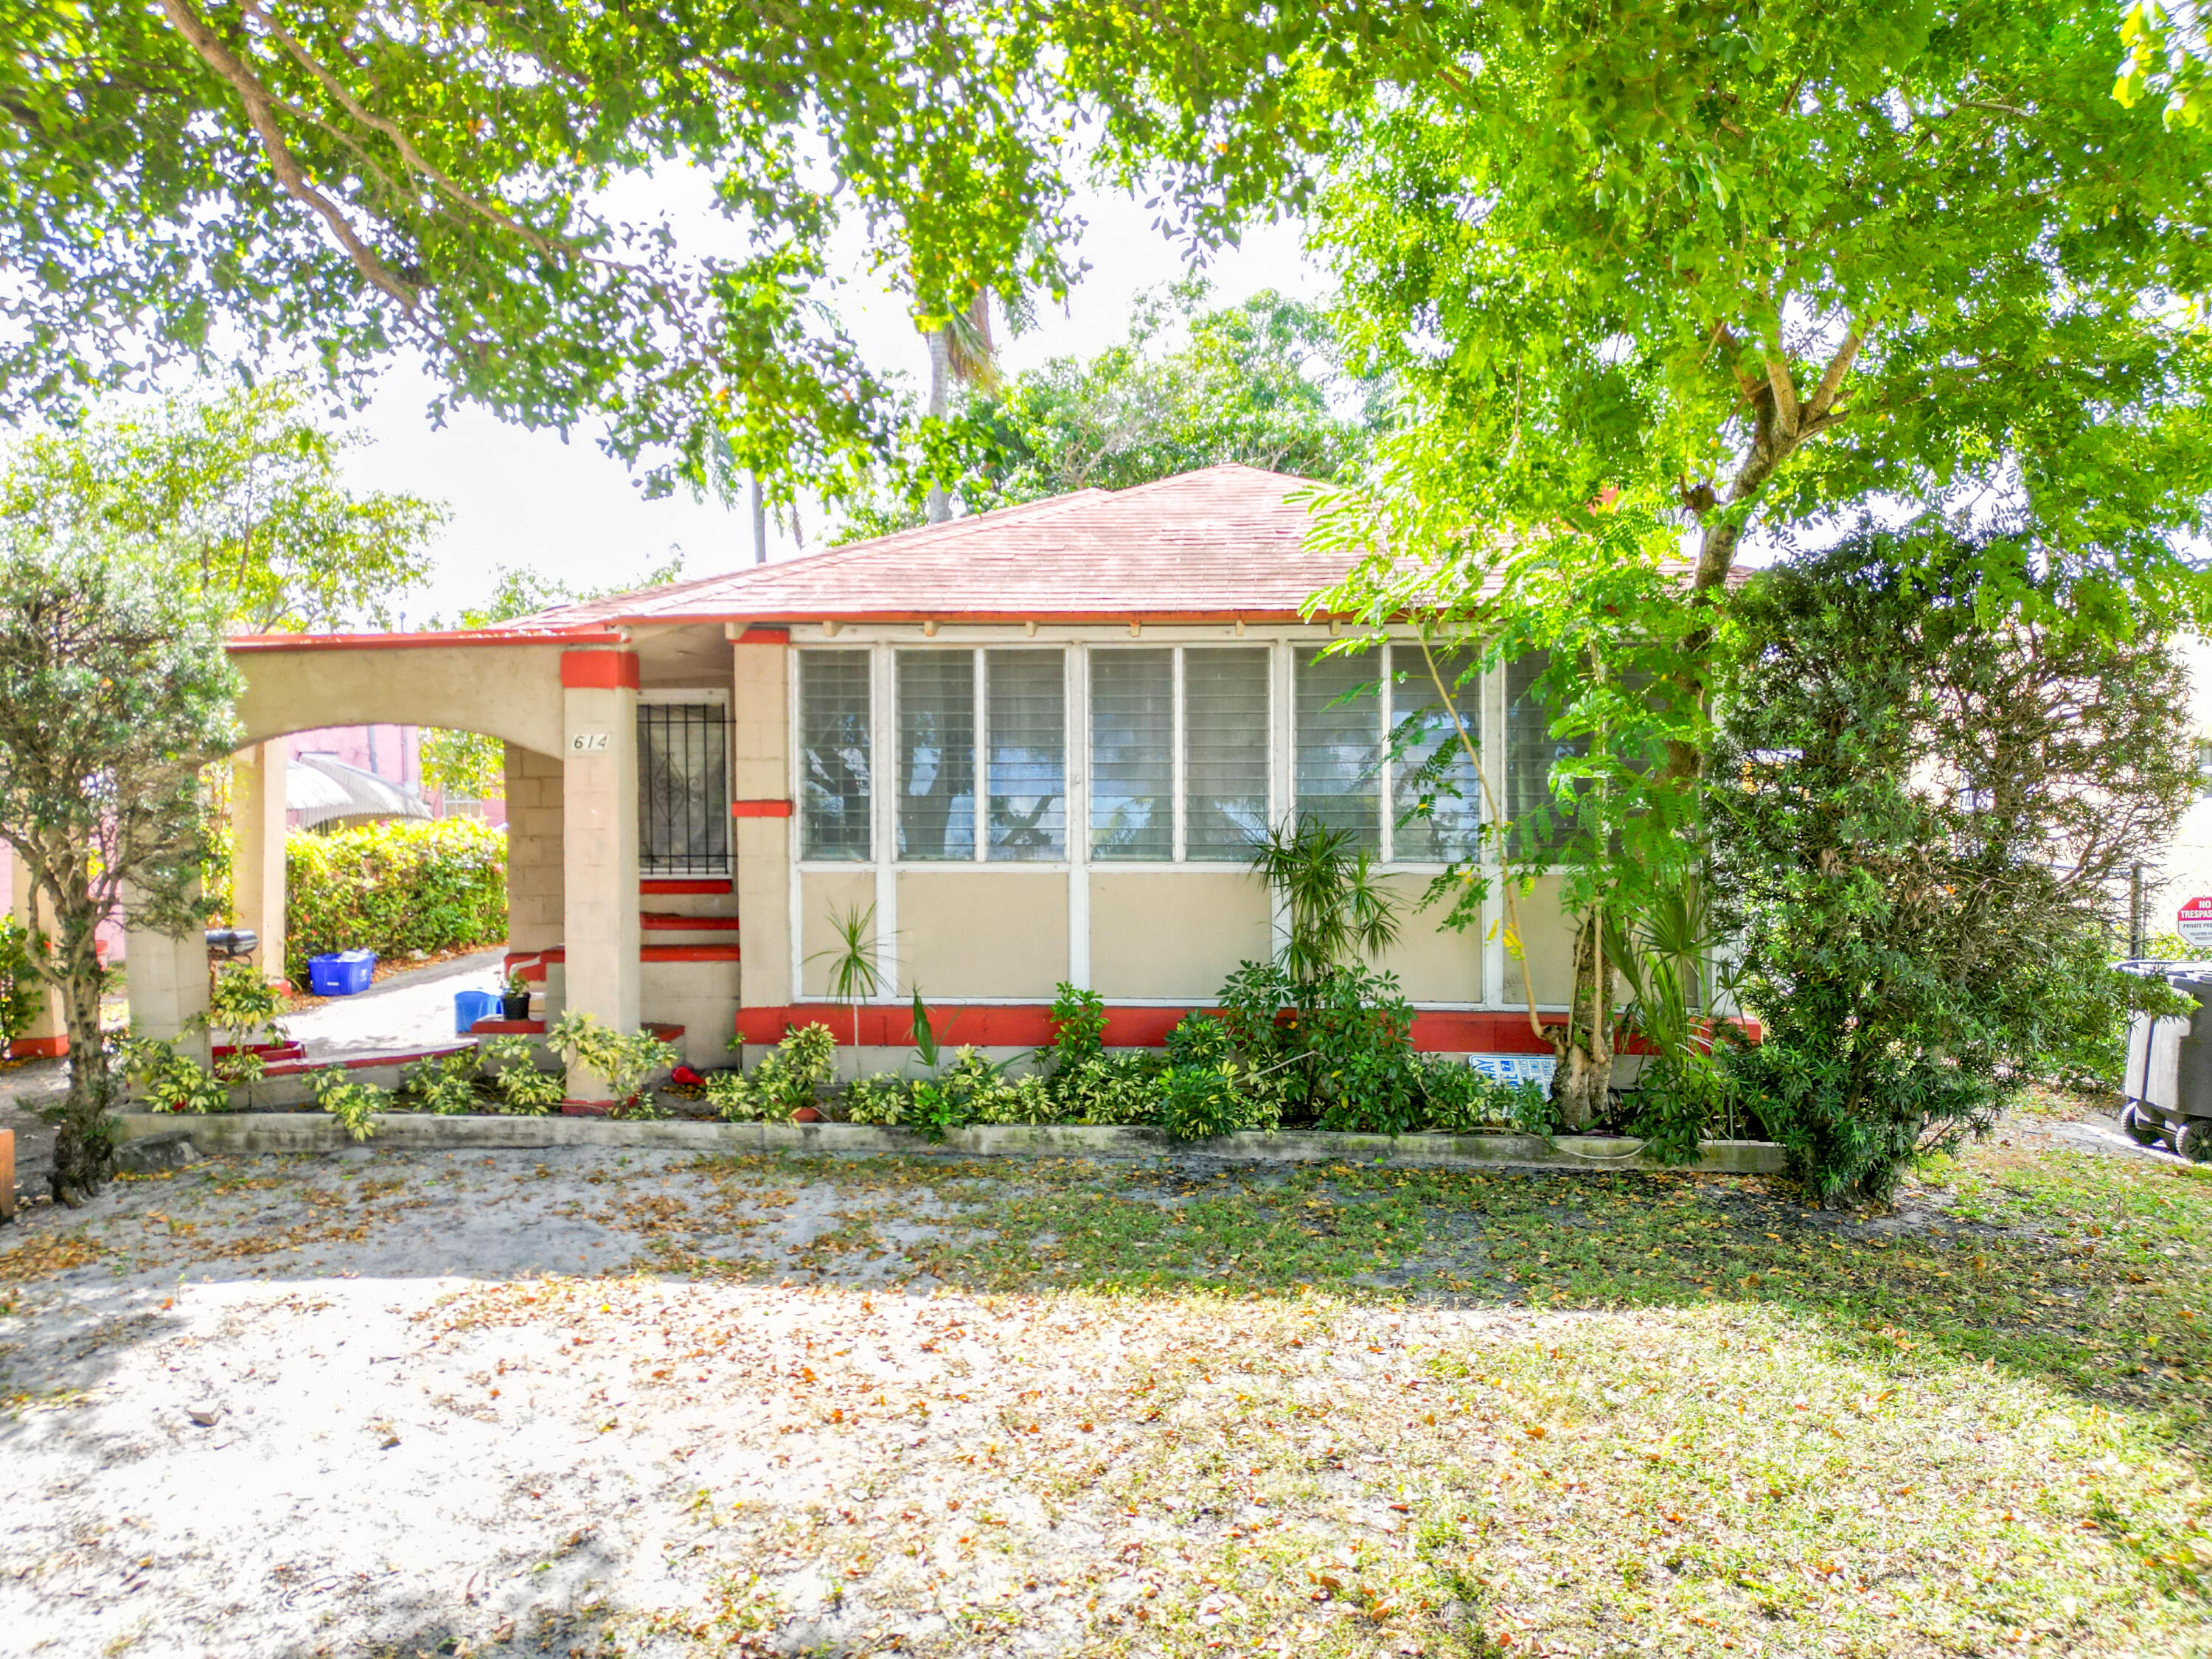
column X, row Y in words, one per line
column 1472, row 1031
column 45, row 1048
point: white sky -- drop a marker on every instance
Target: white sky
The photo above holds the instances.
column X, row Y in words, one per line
column 527, row 499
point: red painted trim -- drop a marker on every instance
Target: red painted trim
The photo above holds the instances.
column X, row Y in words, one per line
column 688, row 953
column 243, row 643
column 663, row 1030
column 671, row 886
column 302, row 1068
column 764, row 636
column 268, row 1051
column 45, row 1048
column 1450, row 1031
column 760, row 809
column 507, row 1028
column 662, row 921
column 599, row 670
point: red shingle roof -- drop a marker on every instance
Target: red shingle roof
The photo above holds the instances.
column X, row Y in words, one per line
column 1227, row 541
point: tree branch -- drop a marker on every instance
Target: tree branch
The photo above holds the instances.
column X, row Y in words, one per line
column 260, row 113
column 412, row 156
column 1785, row 399
column 1832, row 378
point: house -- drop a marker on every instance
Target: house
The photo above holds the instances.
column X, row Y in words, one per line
column 1025, row 747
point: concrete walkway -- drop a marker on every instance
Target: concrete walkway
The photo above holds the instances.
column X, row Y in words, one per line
column 404, row 1014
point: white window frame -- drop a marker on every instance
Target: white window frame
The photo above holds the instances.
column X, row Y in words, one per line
column 1079, row 643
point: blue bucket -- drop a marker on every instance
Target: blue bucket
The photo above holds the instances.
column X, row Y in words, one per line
column 470, row 1006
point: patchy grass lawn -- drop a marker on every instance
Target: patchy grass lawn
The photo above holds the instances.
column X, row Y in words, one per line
column 642, row 1406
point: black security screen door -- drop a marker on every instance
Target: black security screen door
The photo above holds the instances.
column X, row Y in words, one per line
column 683, row 791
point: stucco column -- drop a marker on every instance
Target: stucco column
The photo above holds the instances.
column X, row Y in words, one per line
column 764, row 830
column 46, row 1034
column 599, row 908
column 168, row 982
column 257, row 867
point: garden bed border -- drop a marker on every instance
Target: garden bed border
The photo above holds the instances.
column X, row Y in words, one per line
column 314, row 1132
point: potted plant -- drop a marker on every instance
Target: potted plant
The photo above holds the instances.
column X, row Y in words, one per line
column 514, row 998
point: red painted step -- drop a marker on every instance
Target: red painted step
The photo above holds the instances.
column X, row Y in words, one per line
column 663, row 921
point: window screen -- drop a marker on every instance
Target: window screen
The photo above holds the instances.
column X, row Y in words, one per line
column 937, row 754
column 1339, row 745
column 1530, row 749
column 1026, row 727
column 834, row 737
column 1225, row 753
column 683, row 791
column 1132, row 754
column 1431, row 760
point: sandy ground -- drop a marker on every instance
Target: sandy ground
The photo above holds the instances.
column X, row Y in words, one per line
column 262, row 1407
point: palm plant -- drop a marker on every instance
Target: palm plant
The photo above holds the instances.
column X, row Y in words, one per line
column 1336, row 902
column 854, row 977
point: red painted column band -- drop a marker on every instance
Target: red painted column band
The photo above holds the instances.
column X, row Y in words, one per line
column 599, row 670
column 760, row 809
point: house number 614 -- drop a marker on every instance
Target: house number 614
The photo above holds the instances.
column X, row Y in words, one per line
column 588, row 742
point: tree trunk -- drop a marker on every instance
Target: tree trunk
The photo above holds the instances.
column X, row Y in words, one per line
column 84, row 1145
column 940, row 393
column 1584, row 1045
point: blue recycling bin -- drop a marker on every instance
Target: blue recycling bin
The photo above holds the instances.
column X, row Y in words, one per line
column 470, row 1006
column 340, row 973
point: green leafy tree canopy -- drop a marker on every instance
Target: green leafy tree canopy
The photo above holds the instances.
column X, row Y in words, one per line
column 240, row 491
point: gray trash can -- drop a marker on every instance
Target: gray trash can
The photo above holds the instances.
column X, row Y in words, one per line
column 2168, row 1083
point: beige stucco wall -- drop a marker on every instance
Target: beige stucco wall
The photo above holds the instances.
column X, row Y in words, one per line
column 699, row 996
column 510, row 692
column 982, row 933
column 1173, row 933
column 760, row 769
column 1548, row 944
column 1433, row 963
column 534, row 850
column 824, row 896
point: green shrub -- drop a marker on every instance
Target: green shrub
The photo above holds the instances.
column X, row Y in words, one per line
column 444, row 1084
column 411, row 884
column 1119, row 1088
column 885, row 1100
column 19, row 985
column 165, row 1080
column 1338, row 1045
column 624, row 1060
column 523, row 1090
column 354, row 1104
column 1210, row 1088
column 1079, row 1036
column 789, row 1076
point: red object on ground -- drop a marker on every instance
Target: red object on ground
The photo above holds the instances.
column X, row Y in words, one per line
column 686, row 1076
column 806, row 1114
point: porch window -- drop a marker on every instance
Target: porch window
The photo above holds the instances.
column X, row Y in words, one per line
column 1433, row 759
column 1007, row 707
column 835, row 788
column 1225, row 752
column 1133, row 755
column 1025, row 729
column 1339, row 744
column 936, row 755
column 683, row 791
column 1530, row 749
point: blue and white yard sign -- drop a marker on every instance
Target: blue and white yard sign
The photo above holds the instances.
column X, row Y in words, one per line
column 1516, row 1068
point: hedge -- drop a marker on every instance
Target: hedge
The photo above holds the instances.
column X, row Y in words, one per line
column 393, row 888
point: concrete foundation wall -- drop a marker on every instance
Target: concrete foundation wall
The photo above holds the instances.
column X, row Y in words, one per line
column 534, row 855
